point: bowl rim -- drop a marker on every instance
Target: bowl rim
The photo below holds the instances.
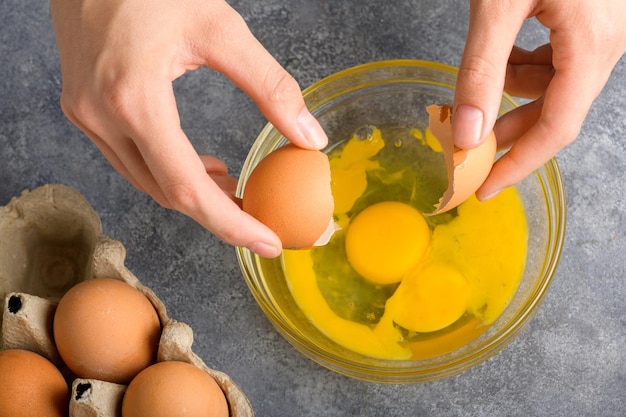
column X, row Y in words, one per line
column 387, row 63
column 446, row 365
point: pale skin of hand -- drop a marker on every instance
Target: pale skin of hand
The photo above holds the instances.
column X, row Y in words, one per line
column 118, row 61
column 119, row 58
column 563, row 77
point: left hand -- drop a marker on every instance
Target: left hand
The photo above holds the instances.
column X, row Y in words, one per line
column 587, row 39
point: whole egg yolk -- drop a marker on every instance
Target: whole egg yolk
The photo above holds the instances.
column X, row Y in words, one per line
column 386, row 240
column 431, row 300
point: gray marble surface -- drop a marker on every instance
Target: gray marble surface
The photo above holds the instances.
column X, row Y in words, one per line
column 570, row 361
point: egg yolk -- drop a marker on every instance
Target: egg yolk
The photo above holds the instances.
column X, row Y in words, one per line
column 433, row 299
column 386, row 240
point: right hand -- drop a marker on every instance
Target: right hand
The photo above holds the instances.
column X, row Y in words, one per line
column 118, row 61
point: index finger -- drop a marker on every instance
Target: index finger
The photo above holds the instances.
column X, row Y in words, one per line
column 493, row 27
column 236, row 52
column 182, row 176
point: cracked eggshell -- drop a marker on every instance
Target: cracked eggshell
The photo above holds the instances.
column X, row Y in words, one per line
column 289, row 191
column 50, row 240
column 467, row 168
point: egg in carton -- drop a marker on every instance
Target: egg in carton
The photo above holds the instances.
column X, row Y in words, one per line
column 50, row 240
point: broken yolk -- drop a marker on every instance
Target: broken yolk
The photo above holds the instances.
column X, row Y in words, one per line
column 386, row 240
column 431, row 300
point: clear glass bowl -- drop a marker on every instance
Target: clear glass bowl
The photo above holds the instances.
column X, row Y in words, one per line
column 396, row 92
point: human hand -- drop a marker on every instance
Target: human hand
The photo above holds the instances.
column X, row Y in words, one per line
column 563, row 77
column 118, row 61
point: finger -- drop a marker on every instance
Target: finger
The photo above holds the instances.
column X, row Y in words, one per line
column 227, row 184
column 528, row 81
column 218, row 172
column 136, row 164
column 493, row 28
column 249, row 65
column 124, row 156
column 528, row 73
column 117, row 148
column 540, row 56
column 565, row 106
column 512, row 125
column 182, row 175
column 213, row 165
column 110, row 154
column 528, row 153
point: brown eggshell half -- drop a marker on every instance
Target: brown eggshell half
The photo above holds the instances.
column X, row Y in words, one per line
column 467, row 168
column 289, row 191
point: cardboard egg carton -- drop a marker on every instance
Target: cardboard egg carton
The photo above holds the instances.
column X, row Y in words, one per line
column 50, row 240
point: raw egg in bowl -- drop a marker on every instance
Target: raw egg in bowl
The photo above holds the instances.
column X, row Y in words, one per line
column 413, row 285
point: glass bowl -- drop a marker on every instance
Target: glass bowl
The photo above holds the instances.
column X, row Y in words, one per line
column 396, row 92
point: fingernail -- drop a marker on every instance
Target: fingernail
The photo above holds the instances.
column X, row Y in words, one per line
column 467, row 126
column 263, row 249
column 311, row 129
column 489, row 196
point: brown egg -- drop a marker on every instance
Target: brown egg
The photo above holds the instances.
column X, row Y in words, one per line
column 467, row 169
column 173, row 388
column 30, row 385
column 289, row 191
column 106, row 329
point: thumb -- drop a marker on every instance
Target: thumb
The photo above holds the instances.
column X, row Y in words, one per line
column 242, row 58
column 493, row 27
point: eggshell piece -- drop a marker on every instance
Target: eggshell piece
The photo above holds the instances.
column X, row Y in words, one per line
column 30, row 385
column 328, row 233
column 106, row 329
column 467, row 168
column 289, row 191
column 173, row 388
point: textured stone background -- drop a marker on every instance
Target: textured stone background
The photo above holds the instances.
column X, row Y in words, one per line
column 570, row 361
